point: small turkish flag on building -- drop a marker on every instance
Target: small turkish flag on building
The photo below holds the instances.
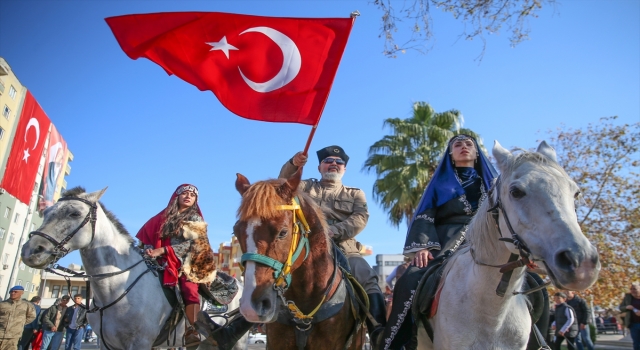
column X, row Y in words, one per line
column 262, row 68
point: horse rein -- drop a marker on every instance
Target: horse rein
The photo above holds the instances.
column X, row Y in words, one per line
column 59, row 250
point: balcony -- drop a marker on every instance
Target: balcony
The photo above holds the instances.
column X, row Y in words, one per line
column 4, row 70
column 67, row 170
column 1, row 87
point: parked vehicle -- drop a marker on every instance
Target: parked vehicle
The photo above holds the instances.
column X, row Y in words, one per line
column 257, row 338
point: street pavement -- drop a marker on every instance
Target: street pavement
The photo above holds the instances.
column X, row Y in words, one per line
column 604, row 342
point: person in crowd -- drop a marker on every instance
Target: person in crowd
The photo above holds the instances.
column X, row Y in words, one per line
column 14, row 314
column 397, row 272
column 36, row 343
column 76, row 318
column 30, row 329
column 53, row 323
column 565, row 323
column 345, row 209
column 631, row 307
column 583, row 314
column 163, row 238
column 456, row 190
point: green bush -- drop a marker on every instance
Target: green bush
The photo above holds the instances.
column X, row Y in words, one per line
column 593, row 333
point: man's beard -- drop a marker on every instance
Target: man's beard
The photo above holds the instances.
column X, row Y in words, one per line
column 331, row 176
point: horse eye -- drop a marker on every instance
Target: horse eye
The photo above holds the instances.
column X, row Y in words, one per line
column 283, row 233
column 75, row 214
column 517, row 193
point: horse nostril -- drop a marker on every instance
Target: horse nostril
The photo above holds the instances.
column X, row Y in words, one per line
column 39, row 249
column 265, row 305
column 566, row 260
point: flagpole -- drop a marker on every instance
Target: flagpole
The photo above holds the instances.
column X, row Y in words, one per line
column 313, row 132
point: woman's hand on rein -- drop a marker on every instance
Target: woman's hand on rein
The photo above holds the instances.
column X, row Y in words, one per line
column 154, row 252
column 422, row 257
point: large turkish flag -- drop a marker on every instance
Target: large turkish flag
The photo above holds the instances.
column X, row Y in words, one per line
column 28, row 144
column 262, row 68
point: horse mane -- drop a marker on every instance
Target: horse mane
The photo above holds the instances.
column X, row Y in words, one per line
column 77, row 191
column 261, row 200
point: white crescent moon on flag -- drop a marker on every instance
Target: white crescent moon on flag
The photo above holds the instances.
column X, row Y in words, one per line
column 36, row 125
column 290, row 64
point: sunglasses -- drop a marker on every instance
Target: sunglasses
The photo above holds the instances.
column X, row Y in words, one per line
column 331, row 160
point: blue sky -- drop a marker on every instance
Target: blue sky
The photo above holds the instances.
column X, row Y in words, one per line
column 141, row 132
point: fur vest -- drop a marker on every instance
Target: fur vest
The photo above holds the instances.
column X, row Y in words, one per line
column 199, row 266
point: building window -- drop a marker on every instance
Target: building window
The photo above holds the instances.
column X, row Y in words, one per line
column 31, row 269
column 27, row 286
column 74, row 290
column 1, row 233
column 19, row 283
column 12, row 92
column 7, row 211
column 33, row 285
column 6, row 112
column 16, row 218
column 12, row 237
column 55, row 291
column 65, row 290
column 22, row 266
column 83, row 291
column 5, row 259
column 1, row 133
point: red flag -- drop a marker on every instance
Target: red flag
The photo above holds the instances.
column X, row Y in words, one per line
column 54, row 162
column 28, row 143
column 262, row 68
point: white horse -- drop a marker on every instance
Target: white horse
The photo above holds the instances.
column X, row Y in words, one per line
column 536, row 198
column 135, row 307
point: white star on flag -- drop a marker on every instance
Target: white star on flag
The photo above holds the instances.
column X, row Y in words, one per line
column 26, row 155
column 222, row 45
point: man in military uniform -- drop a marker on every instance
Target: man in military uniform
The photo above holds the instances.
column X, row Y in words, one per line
column 14, row 314
column 345, row 209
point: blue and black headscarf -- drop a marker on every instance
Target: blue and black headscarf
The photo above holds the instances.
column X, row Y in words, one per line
column 444, row 186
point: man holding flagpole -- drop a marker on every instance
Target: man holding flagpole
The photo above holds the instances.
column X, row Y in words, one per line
column 345, row 209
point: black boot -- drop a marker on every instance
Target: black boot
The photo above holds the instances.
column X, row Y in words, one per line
column 377, row 308
column 226, row 337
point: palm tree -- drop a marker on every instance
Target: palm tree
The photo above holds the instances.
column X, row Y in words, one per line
column 405, row 160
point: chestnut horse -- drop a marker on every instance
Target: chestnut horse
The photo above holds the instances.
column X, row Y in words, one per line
column 292, row 280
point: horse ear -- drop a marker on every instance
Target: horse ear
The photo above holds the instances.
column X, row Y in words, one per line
column 242, row 183
column 501, row 155
column 290, row 187
column 95, row 196
column 547, row 151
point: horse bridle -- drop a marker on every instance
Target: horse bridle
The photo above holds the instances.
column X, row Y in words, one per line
column 59, row 250
column 282, row 272
column 524, row 256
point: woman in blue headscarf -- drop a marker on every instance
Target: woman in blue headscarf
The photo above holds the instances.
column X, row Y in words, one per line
column 456, row 190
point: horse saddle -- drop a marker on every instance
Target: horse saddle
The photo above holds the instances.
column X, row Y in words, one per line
column 221, row 291
column 428, row 288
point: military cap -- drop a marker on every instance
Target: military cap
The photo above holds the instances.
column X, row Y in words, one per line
column 16, row 288
column 332, row 151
